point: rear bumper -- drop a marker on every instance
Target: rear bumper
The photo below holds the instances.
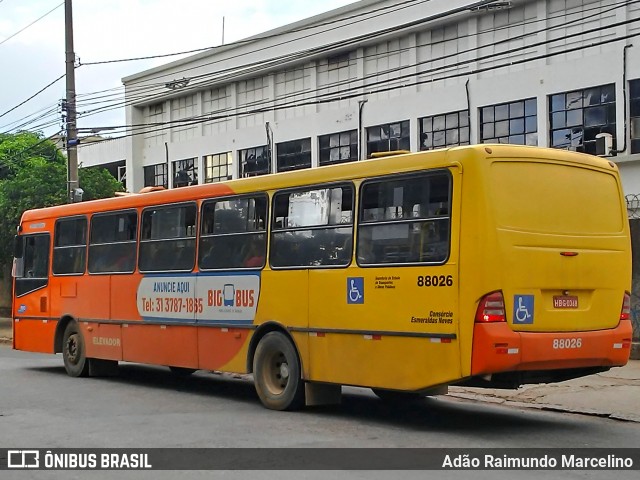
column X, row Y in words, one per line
column 497, row 348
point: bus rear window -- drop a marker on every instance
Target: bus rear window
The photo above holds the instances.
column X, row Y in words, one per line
column 555, row 198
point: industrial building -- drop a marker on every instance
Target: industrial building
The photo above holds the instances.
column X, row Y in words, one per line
column 380, row 75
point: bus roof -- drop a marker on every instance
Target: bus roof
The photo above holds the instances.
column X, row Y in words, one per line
column 409, row 162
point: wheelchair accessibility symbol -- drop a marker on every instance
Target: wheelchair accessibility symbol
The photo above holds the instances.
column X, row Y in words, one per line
column 355, row 290
column 523, row 309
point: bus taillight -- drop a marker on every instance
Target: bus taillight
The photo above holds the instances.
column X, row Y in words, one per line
column 625, row 313
column 491, row 308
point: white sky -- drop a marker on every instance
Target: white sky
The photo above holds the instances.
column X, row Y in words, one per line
column 115, row 29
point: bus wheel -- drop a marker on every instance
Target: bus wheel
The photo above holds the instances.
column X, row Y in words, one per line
column 394, row 396
column 73, row 352
column 276, row 373
column 181, row 371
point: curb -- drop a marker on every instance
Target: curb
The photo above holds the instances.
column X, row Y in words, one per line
column 5, row 341
column 546, row 407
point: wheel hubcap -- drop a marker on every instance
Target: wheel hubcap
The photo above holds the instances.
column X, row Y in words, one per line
column 277, row 375
column 73, row 348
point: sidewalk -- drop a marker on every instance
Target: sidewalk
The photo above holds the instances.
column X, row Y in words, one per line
column 6, row 331
column 614, row 394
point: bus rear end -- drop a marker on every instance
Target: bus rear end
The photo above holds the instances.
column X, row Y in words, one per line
column 555, row 303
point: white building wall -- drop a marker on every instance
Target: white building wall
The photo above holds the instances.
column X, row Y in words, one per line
column 330, row 82
column 102, row 152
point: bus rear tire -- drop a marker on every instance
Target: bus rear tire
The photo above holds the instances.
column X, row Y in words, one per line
column 73, row 352
column 277, row 374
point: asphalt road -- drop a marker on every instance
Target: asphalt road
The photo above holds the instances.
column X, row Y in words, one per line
column 145, row 407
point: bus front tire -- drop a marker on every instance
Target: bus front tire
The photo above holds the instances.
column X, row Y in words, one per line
column 277, row 373
column 73, row 352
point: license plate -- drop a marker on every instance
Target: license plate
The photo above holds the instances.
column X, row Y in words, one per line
column 565, row 301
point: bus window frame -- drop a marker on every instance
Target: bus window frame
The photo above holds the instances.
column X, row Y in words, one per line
column 305, row 188
column 135, row 241
column 167, row 206
column 46, row 278
column 54, row 248
column 264, row 232
column 396, row 177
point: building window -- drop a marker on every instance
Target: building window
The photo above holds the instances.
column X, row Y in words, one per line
column 447, row 130
column 577, row 117
column 294, row 155
column 217, row 168
column 185, row 173
column 634, row 113
column 513, row 122
column 156, row 175
column 389, row 137
column 339, row 147
column 254, row 161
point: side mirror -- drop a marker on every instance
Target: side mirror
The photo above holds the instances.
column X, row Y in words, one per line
column 17, row 270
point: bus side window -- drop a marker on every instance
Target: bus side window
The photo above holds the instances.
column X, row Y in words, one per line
column 167, row 240
column 112, row 242
column 237, row 239
column 415, row 224
column 36, row 264
column 70, row 246
column 313, row 228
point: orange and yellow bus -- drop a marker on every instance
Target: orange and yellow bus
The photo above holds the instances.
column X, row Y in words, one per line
column 488, row 265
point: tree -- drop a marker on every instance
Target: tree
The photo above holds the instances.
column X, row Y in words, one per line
column 33, row 174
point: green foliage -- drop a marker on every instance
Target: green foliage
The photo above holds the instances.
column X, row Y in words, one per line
column 33, row 174
column 98, row 183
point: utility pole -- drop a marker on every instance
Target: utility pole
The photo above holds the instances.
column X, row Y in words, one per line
column 72, row 127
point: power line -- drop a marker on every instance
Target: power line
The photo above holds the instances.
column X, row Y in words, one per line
column 6, row 161
column 263, row 37
column 32, row 23
column 413, row 65
column 33, row 96
column 244, row 69
column 144, row 91
column 143, row 129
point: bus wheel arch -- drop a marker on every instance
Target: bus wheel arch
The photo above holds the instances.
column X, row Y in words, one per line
column 59, row 334
column 277, row 369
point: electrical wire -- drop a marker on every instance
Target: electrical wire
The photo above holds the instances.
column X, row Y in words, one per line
column 32, row 23
column 34, row 95
column 143, row 92
column 160, row 87
column 144, row 130
column 263, row 37
column 271, row 103
column 133, row 98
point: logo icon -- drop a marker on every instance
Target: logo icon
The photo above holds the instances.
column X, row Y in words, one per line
column 23, row 459
column 22, row 308
column 523, row 309
column 229, row 294
column 355, row 290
